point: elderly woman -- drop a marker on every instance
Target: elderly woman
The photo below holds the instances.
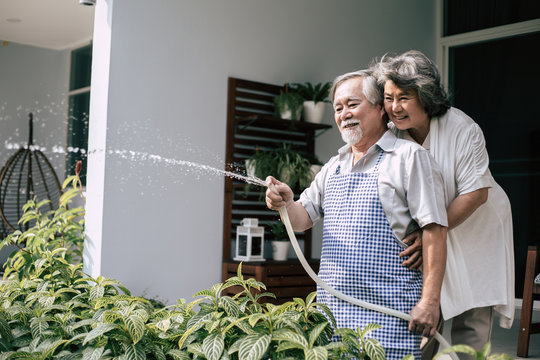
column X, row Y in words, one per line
column 479, row 276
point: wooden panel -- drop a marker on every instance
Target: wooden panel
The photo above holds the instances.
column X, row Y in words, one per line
column 251, row 125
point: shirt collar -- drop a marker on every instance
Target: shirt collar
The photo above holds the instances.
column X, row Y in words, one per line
column 387, row 143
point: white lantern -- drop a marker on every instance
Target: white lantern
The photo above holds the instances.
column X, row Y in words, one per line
column 249, row 241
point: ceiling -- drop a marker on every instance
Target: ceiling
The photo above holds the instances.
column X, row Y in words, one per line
column 52, row 24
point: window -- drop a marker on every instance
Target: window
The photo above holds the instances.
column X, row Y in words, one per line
column 78, row 111
column 487, row 57
column 461, row 16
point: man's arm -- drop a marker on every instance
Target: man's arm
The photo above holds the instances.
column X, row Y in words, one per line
column 299, row 217
column 425, row 315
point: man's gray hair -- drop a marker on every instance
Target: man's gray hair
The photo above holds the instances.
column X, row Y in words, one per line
column 369, row 85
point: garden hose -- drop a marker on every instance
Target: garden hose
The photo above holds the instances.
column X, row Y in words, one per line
column 285, row 218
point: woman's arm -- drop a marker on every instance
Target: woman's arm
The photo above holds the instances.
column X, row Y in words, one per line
column 425, row 315
column 464, row 206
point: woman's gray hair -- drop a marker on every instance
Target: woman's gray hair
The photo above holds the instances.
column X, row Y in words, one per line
column 413, row 70
column 370, row 88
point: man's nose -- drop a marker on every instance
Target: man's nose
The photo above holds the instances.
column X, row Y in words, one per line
column 345, row 114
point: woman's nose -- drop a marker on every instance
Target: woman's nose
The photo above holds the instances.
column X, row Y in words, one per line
column 396, row 106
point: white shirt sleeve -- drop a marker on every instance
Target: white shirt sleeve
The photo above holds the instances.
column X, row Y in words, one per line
column 472, row 161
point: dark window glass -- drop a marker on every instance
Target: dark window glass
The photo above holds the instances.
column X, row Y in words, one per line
column 81, row 67
column 77, row 139
column 496, row 84
column 462, row 16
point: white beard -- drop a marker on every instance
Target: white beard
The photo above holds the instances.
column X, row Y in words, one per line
column 352, row 136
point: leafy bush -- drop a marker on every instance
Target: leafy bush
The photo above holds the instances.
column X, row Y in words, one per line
column 49, row 309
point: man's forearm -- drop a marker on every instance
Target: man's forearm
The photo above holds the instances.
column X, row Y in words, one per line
column 434, row 257
column 299, row 217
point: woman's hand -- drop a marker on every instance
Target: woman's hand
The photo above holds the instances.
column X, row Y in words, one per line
column 283, row 197
column 414, row 250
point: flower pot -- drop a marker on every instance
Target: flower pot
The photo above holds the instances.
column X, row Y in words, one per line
column 314, row 112
column 280, row 250
column 288, row 114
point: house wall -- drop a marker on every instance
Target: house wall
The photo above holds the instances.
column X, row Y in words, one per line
column 33, row 79
column 163, row 67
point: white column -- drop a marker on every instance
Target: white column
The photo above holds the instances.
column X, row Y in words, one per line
column 99, row 98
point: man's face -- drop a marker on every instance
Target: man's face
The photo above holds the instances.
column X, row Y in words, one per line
column 354, row 115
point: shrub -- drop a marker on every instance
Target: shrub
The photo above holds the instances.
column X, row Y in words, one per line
column 49, row 309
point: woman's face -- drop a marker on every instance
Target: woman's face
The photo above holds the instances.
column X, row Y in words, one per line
column 404, row 108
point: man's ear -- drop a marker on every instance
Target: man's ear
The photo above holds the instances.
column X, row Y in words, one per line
column 383, row 113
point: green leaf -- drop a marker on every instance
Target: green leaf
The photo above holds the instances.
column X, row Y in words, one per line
column 230, row 306
column 96, row 292
column 134, row 352
column 98, row 331
column 253, row 347
column 213, row 346
column 164, row 324
column 38, row 327
column 5, row 330
column 374, row 349
column 178, row 354
column 291, row 336
column 317, row 353
column 135, row 326
column 315, row 332
column 92, row 354
column 465, row 349
column 368, row 328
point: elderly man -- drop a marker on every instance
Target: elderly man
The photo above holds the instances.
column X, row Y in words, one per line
column 374, row 192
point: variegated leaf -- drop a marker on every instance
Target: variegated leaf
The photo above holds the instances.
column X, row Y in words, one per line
column 253, row 347
column 368, row 328
column 98, row 331
column 38, row 326
column 92, row 354
column 164, row 325
column 178, row 354
column 317, row 353
column 230, row 306
column 96, row 292
column 213, row 346
column 291, row 336
column 374, row 349
column 134, row 352
column 315, row 332
column 135, row 326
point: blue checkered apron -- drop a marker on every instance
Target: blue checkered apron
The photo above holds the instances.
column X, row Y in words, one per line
column 360, row 258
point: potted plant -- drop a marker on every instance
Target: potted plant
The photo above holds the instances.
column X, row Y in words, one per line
column 280, row 244
column 285, row 163
column 315, row 97
column 288, row 104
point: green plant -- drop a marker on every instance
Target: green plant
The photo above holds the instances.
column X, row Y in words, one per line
column 279, row 230
column 288, row 101
column 288, row 165
column 310, row 92
column 482, row 354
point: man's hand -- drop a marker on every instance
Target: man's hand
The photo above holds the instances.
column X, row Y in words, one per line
column 424, row 318
column 414, row 250
column 284, row 197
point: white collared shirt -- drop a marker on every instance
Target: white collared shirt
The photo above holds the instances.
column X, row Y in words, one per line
column 410, row 184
